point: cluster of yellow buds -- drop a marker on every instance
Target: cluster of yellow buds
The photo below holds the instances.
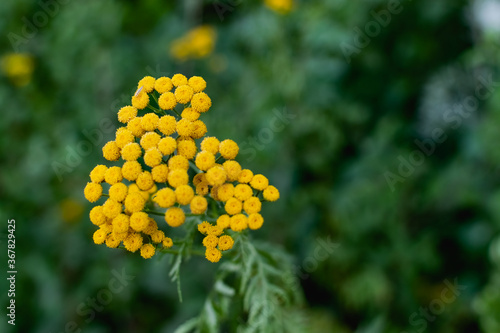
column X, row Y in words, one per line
column 164, row 169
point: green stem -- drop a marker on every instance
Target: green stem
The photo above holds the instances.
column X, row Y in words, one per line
column 218, row 158
column 153, row 212
column 105, row 195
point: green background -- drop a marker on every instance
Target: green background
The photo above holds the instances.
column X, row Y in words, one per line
column 342, row 159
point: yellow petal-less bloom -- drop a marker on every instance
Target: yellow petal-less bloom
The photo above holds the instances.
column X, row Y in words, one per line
column 153, row 157
column 233, row 206
column 204, row 161
column 216, row 175
column 242, row 192
column 145, row 181
column 96, row 215
column 121, row 223
column 112, row 208
column 259, row 182
column 213, row 192
column 199, row 129
column 112, row 242
column 252, row 205
column 131, row 170
column 167, row 145
column 113, row 175
column 147, row 251
column 97, row 174
column 150, row 140
column 134, row 126
column 238, row 222
column 196, row 43
column 215, row 230
column 177, row 177
column 210, row 241
column 160, row 173
column 147, row 83
column 167, row 125
column 167, row 242
column 175, row 217
column 201, row 102
column 151, row 228
column 123, row 137
column 120, row 235
column 233, row 170
column 118, row 192
column 99, row 236
column 134, row 202
column 133, row 242
column 111, row 151
column 228, row 149
column 225, row 192
column 163, row 84
column 255, row 221
column 190, row 114
column 131, row 152
column 197, row 83
column 223, row 221
column 167, row 101
column 271, row 193
column 158, row 236
column 246, row 176
column 149, row 122
column 183, row 94
column 203, row 227
column 184, row 194
column 18, row 67
column 165, row 197
column 92, row 192
column 139, row 221
column 179, row 80
column 213, row 254
column 184, row 127
column 210, row 144
column 225, row 243
column 140, row 100
column 178, row 162
column 279, row 6
column 199, row 178
column 126, row 114
column 186, row 148
column 202, row 188
column 198, row 205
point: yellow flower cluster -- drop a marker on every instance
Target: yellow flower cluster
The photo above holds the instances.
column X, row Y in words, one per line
column 196, row 43
column 280, row 6
column 18, row 67
column 163, row 168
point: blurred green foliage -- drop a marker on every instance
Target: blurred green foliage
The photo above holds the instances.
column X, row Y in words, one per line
column 342, row 159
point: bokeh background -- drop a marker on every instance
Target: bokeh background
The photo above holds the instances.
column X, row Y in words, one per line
column 355, row 87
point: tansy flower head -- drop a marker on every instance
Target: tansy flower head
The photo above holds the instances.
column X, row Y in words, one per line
column 131, row 152
column 177, row 177
column 131, row 170
column 167, row 101
column 167, row 125
column 123, row 137
column 140, row 100
column 223, row 221
column 158, row 236
column 96, row 215
column 165, row 197
column 246, row 176
column 163, row 84
column 252, row 205
column 167, row 145
column 225, row 243
column 184, row 127
column 210, row 144
column 197, row 83
column 204, row 160
column 150, row 140
column 271, row 193
column 184, row 194
column 147, row 251
column 210, row 241
column 160, row 173
column 203, row 227
column 134, row 202
column 111, row 208
column 212, row 254
column 149, row 122
column 186, row 148
column 259, row 182
column 133, row 242
column 242, row 192
column 121, row 223
column 216, row 175
column 228, row 149
column 145, row 181
column 134, row 126
column 126, row 114
column 147, row 83
column 183, row 94
column 201, row 102
column 178, row 162
column 139, row 221
column 118, row 192
column 179, row 80
column 255, row 221
column 167, row 242
column 97, row 174
column 175, row 217
column 233, row 170
column 233, row 206
column 112, row 242
column 99, row 236
column 111, row 151
column 225, row 192
column 198, row 205
column 238, row 222
column 153, row 157
column 93, row 192
column 190, row 114
column 199, row 129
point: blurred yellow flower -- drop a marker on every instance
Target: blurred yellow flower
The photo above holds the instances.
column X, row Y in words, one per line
column 71, row 210
column 280, row 6
column 18, row 67
column 196, row 43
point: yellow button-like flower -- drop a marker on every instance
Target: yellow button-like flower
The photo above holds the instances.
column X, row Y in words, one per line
column 225, row 192
column 215, row 230
column 210, row 144
column 179, row 80
column 177, row 177
column 152, row 228
column 190, row 114
column 120, row 235
column 167, row 125
column 233, row 170
column 246, row 176
column 198, row 205
column 113, row 175
column 184, row 127
column 112, row 242
column 134, row 202
column 252, row 205
column 145, row 181
column 228, row 149
column 178, row 162
column 131, row 170
column 133, row 242
column 160, row 173
column 203, row 227
column 153, row 157
column 167, row 242
column 165, row 197
column 199, row 129
column 111, row 151
column 149, row 122
column 184, row 194
column 233, row 206
column 167, row 145
column 147, row 251
column 271, row 193
column 97, row 174
column 280, row 6
column 123, row 137
column 223, row 221
column 135, row 127
column 112, row 208
column 210, row 241
column 92, row 192
column 183, row 94
column 139, row 221
column 225, row 243
column 197, row 83
column 157, row 236
column 118, row 192
column 202, row 188
column 175, row 217
column 131, row 151
column 121, row 223
column 199, row 178
column 163, row 84
column 186, row 148
column 167, row 101
column 201, row 102
column 242, row 192
column 212, row 254
column 216, row 175
column 99, row 236
column 96, row 215
column 204, row 160
column 255, row 221
column 259, row 182
column 238, row 222
column 140, row 100
column 126, row 114
column 150, row 140
column 147, row 83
